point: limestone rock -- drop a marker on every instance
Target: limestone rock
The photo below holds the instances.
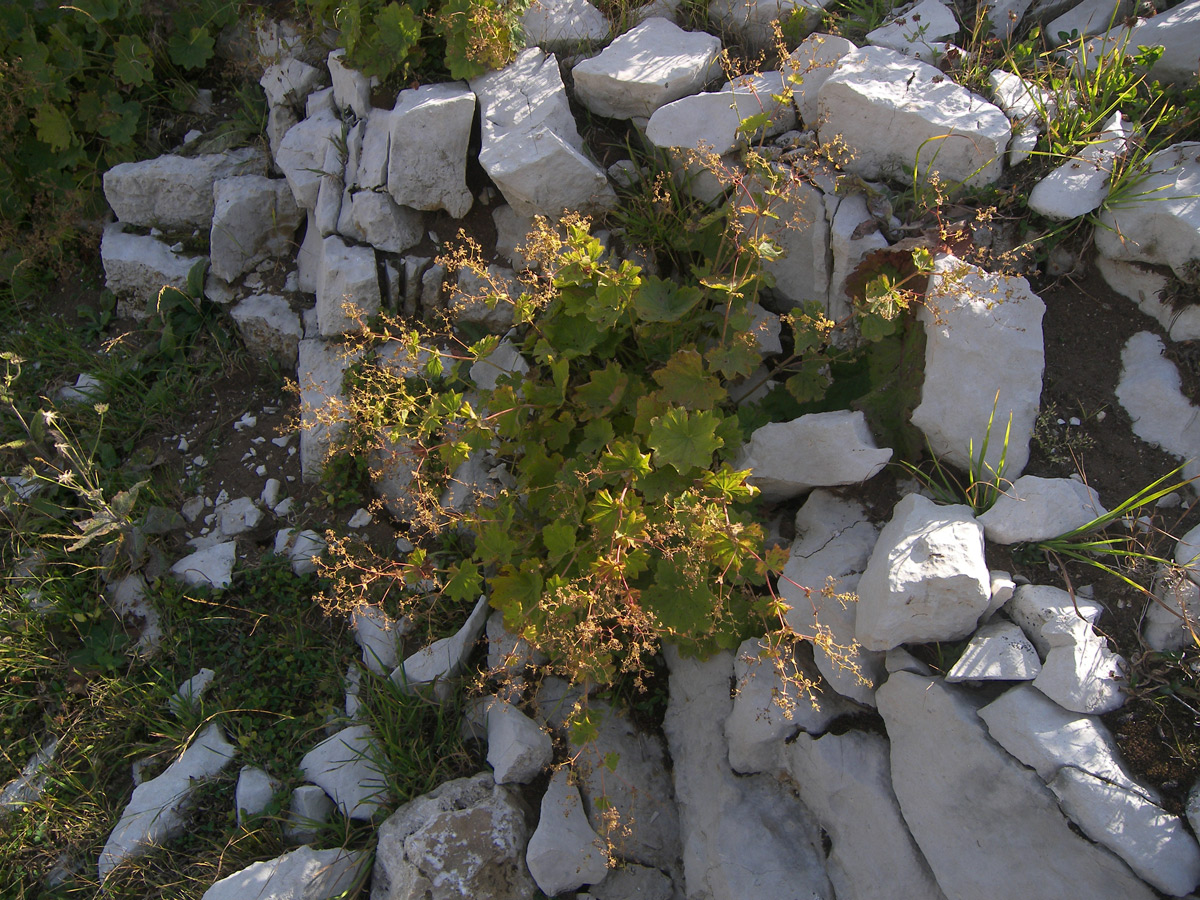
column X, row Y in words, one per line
column 751, row 20
column 1153, row 842
column 984, row 810
column 816, row 450
column 853, row 234
column 302, row 155
column 442, row 660
column 289, row 82
column 351, row 88
column 1044, row 611
column 506, row 359
column 269, row 327
column 348, row 277
column 645, row 68
column 309, row 809
column 767, row 709
column 834, row 540
column 563, row 24
column 1080, row 185
column 378, row 634
column 846, row 781
column 430, row 127
column 518, row 749
column 467, row 838
column 633, row 881
column 1177, row 31
column 320, row 368
column 1033, row 509
column 1081, row 674
column 1149, row 390
column 189, row 694
column 211, row 567
column 254, row 792
column 926, row 580
column 802, row 233
column 254, row 218
column 27, row 787
column 157, row 811
column 983, row 332
column 876, row 91
column 1173, row 617
column 998, row 651
column 531, row 145
column 1144, row 286
column 920, row 30
column 812, row 62
column 346, row 767
column 374, row 217
column 175, row 192
column 302, row 874
column 1087, row 18
column 138, row 266
column 1046, row 737
column 564, row 853
column 1160, row 224
column 742, row 836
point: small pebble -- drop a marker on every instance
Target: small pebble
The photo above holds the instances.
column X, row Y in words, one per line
column 1074, row 420
column 183, row 445
column 261, row 471
column 360, row 519
column 200, row 462
column 281, row 441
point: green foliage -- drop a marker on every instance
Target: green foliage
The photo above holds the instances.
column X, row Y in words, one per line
column 399, row 42
column 79, row 86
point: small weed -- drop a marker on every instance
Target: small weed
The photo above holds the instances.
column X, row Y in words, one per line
column 1062, row 441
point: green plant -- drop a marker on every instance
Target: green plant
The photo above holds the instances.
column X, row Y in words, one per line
column 79, row 86
column 463, row 38
column 854, row 18
column 1114, row 542
column 982, row 484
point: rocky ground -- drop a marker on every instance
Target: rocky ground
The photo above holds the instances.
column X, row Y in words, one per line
column 1000, row 732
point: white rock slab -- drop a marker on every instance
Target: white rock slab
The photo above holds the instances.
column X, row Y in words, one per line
column 27, row 787
column 984, row 812
column 1173, row 618
column 564, row 853
column 157, row 811
column 506, row 359
column 933, row 124
column 430, row 128
column 254, row 218
column 920, row 31
column 767, row 709
column 926, row 580
column 853, row 234
column 518, row 750
column 983, row 333
column 348, row 277
column 1153, row 842
column 1177, row 31
column 1046, row 737
column 302, row 874
column 1087, row 18
column 289, row 82
column 998, row 651
column 374, row 218
column 563, row 24
column 1044, row 611
column 1081, row 674
column 807, row 67
column 466, row 838
column 1149, row 390
column 1033, row 509
column 378, row 634
column 309, row 809
column 1080, row 185
column 350, row 88
column 1027, row 105
column 302, row 153
column 815, row 450
column 710, row 121
column 1160, row 222
column 802, row 233
column 254, row 792
column 137, row 266
column 645, row 68
column 1143, row 284
column 834, row 540
column 346, row 767
column 190, row 693
column 742, row 836
column 211, row 567
column 320, row 368
column 269, row 327
column 175, row 192
column 751, row 22
column 846, row 781
column 444, row 658
column 531, row 145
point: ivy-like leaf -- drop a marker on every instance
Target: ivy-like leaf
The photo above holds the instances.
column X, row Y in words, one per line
column 625, row 456
column 604, row 390
column 685, row 383
column 730, row 484
column 683, row 605
column 120, row 120
column 398, row 33
column 191, row 49
column 597, row 433
column 810, row 383
column 559, row 539
column 54, row 128
column 685, row 440
column 516, row 591
column 660, row 300
column 737, row 359
column 133, row 65
column 465, row 582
